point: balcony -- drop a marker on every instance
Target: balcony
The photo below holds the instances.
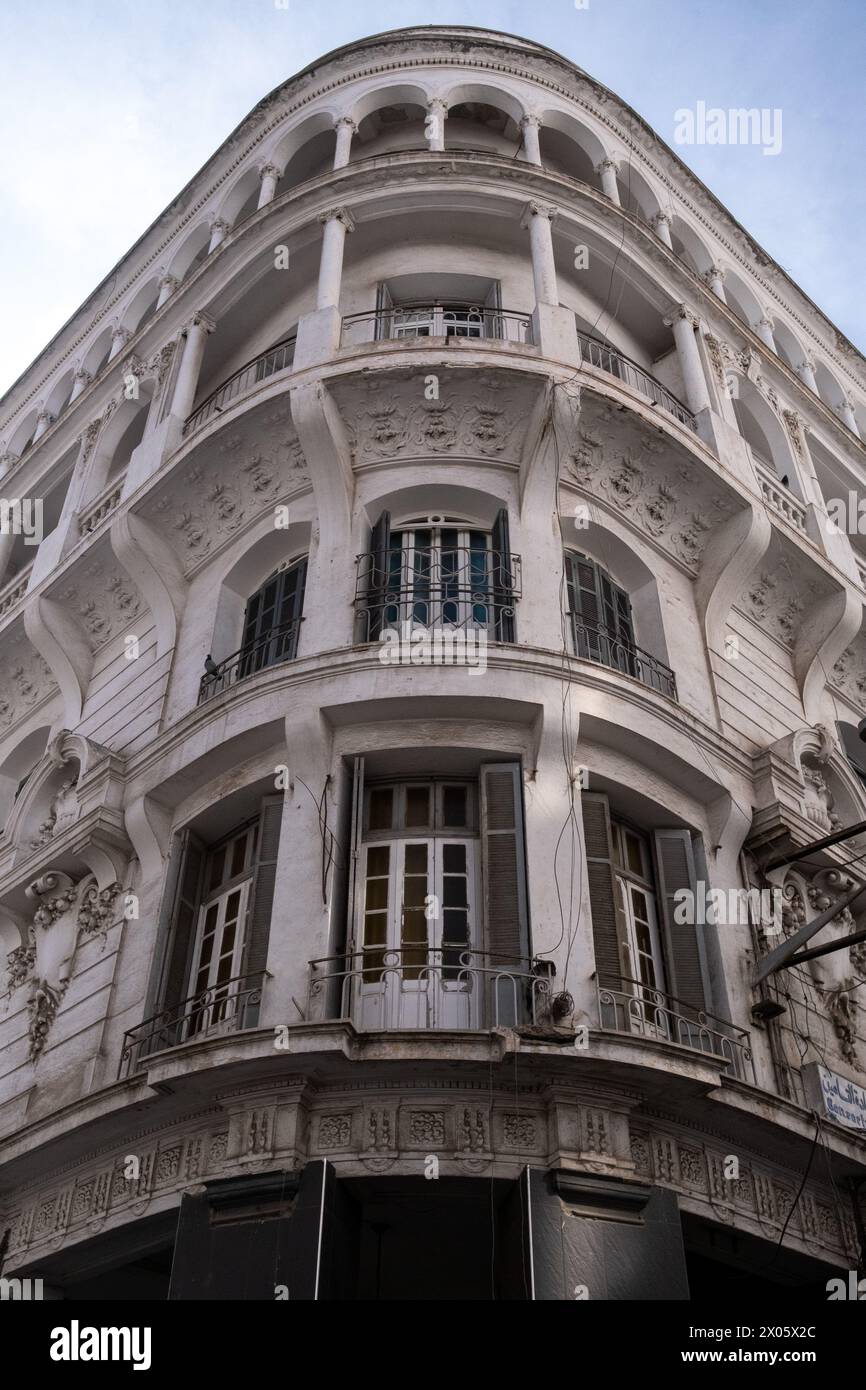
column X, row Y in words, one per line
column 278, row 645
column 640, row 1011
column 417, row 987
column 778, row 496
column 413, row 321
column 15, row 590
column 225, row 1008
column 594, row 642
column 606, row 359
column 458, row 589
column 276, row 359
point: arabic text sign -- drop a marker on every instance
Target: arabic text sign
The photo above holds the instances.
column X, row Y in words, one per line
column 844, row 1101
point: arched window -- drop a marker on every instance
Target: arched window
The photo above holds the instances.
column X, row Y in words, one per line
column 270, row 630
column 602, row 625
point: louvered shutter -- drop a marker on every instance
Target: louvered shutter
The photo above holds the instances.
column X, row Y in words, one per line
column 685, row 955
column 183, row 922
column 608, row 923
column 503, row 596
column 380, row 546
column 258, row 926
column 384, row 305
column 503, row 864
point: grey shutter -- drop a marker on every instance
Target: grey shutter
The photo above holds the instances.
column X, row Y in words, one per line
column 503, row 596
column 503, row 864
column 262, row 901
column 355, row 849
column 608, row 924
column 494, row 326
column 685, row 956
column 184, row 913
column 380, row 547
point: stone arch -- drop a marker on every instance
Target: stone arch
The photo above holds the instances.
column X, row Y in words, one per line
column 242, row 198
column 119, row 436
column 389, row 94
column 690, row 247
column 484, row 94
column 829, row 389
column 636, row 193
column 141, row 308
column 569, row 144
column 58, row 398
column 21, row 438
column 191, row 252
column 742, row 300
column 301, row 148
column 763, row 432
column 268, row 550
column 18, row 766
column 789, row 347
column 97, row 354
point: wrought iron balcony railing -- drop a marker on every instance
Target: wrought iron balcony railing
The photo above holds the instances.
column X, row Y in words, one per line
column 413, row 321
column 644, row 1012
column 224, row 1008
column 608, row 359
column 595, row 642
column 278, row 645
column 439, row 589
column 276, row 359
column 418, row 987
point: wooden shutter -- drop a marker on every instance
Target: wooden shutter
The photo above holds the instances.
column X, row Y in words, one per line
column 355, row 850
column 608, row 923
column 685, row 955
column 503, row 864
column 384, row 305
column 503, row 597
column 380, row 546
column 175, row 980
column 258, row 926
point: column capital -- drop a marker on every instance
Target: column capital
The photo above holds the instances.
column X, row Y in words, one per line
column 219, row 224
column 531, row 119
column 536, row 209
column 438, row 104
column 80, row 374
column 7, row 462
column 200, row 320
column 764, row 322
column 338, row 215
column 715, row 272
column 661, row 217
column 681, row 311
column 168, row 282
column 807, row 364
column 119, row 332
column 347, row 121
column 607, row 164
column 269, row 171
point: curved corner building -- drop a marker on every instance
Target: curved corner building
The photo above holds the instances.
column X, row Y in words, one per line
column 437, row 635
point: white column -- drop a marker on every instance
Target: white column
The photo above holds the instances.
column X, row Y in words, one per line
column 270, row 177
column 539, row 219
column 764, row 330
column 119, row 338
column 531, row 125
column 606, row 171
column 167, row 286
column 219, row 229
column 337, row 223
column 662, row 228
column 43, row 420
column 434, row 126
column 845, row 410
column 806, row 373
column 80, row 381
column 190, row 365
column 345, row 128
column 684, row 322
column 715, row 278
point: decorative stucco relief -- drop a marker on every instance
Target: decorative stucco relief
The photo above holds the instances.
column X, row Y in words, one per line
column 25, row 680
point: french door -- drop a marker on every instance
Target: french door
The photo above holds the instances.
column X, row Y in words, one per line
column 217, row 960
column 439, row 577
column 416, row 965
column 438, row 321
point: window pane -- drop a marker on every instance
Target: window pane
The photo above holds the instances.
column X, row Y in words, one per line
column 377, row 894
column 378, row 860
column 417, row 806
column 454, row 808
column 416, row 859
column 381, row 813
column 635, row 854
column 217, row 867
column 239, row 855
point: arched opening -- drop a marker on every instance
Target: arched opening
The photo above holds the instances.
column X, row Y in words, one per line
column 59, row 397
column 259, row 610
column 787, row 345
column 17, row 768
column 400, row 125
column 613, row 612
column 315, row 157
column 97, row 354
column 192, row 253
column 689, row 246
column 568, row 147
column 635, row 193
column 142, row 308
column 741, row 300
column 478, row 125
column 764, row 434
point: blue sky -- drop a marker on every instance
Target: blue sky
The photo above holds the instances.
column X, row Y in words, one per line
column 108, row 107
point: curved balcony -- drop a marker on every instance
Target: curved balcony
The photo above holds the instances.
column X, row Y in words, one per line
column 279, row 644
column 594, row 353
column 227, row 1007
column 647, row 1013
column 276, row 359
column 457, row 590
column 438, row 320
column 594, row 642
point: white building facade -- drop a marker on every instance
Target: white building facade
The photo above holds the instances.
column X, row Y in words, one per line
column 442, row 592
